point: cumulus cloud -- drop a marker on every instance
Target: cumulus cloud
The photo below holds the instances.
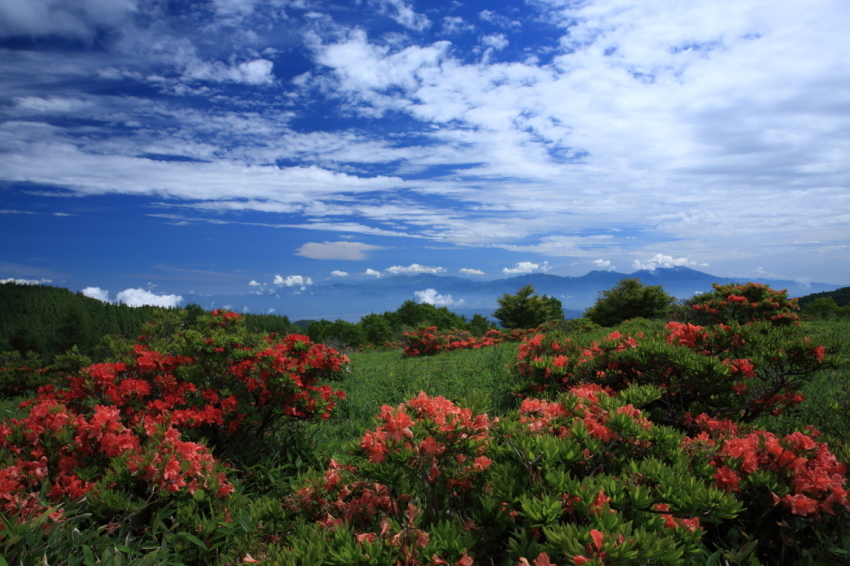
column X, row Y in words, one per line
column 468, row 271
column 497, row 41
column 253, row 283
column 372, row 273
column 142, row 297
column 431, row 297
column 41, row 281
column 414, row 268
column 353, row 251
column 256, row 72
column 604, row 264
column 293, row 281
column 527, row 267
column 337, row 273
column 96, row 293
column 661, row 260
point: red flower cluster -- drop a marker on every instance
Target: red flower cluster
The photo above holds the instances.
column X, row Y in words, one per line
column 137, row 418
column 812, row 481
column 539, row 414
column 430, row 341
column 744, row 304
column 698, row 368
column 440, row 446
column 54, row 442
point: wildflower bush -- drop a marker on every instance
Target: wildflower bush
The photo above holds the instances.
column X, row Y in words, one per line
column 584, row 479
column 134, row 434
column 430, row 341
column 742, row 303
column 740, row 372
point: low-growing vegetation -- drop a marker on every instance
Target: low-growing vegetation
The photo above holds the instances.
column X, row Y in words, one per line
column 715, row 434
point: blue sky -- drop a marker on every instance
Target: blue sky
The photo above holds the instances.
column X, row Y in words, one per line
column 169, row 147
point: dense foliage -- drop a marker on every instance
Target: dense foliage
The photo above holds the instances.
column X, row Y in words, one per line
column 841, row 297
column 526, row 309
column 50, row 320
column 629, row 299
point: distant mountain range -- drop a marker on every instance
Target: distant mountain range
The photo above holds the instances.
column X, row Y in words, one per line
column 350, row 300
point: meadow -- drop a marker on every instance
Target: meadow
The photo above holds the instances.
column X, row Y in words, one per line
column 479, row 477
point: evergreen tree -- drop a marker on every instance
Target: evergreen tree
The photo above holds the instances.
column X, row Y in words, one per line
column 526, row 309
column 629, row 299
column 25, row 340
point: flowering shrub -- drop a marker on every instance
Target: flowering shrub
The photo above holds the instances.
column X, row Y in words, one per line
column 217, row 381
column 22, row 375
column 420, row 467
column 135, row 426
column 430, row 341
column 801, row 474
column 586, row 479
column 70, row 453
column 742, row 304
column 737, row 371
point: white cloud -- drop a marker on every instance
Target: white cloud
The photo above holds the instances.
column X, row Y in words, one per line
column 453, row 25
column 337, row 273
column 403, row 14
column 293, row 281
column 96, row 293
column 604, row 264
column 353, row 251
column 253, row 283
column 256, row 72
column 372, row 273
column 527, row 267
column 141, row 297
column 661, row 260
column 496, row 41
column 498, row 19
column 468, row 271
column 431, row 297
column 414, row 268
column 90, row 174
column 41, row 281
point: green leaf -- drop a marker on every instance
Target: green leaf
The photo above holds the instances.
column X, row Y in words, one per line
column 90, row 561
column 195, row 540
column 245, row 520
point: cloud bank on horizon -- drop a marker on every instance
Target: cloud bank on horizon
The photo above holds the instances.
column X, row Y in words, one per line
column 268, row 144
